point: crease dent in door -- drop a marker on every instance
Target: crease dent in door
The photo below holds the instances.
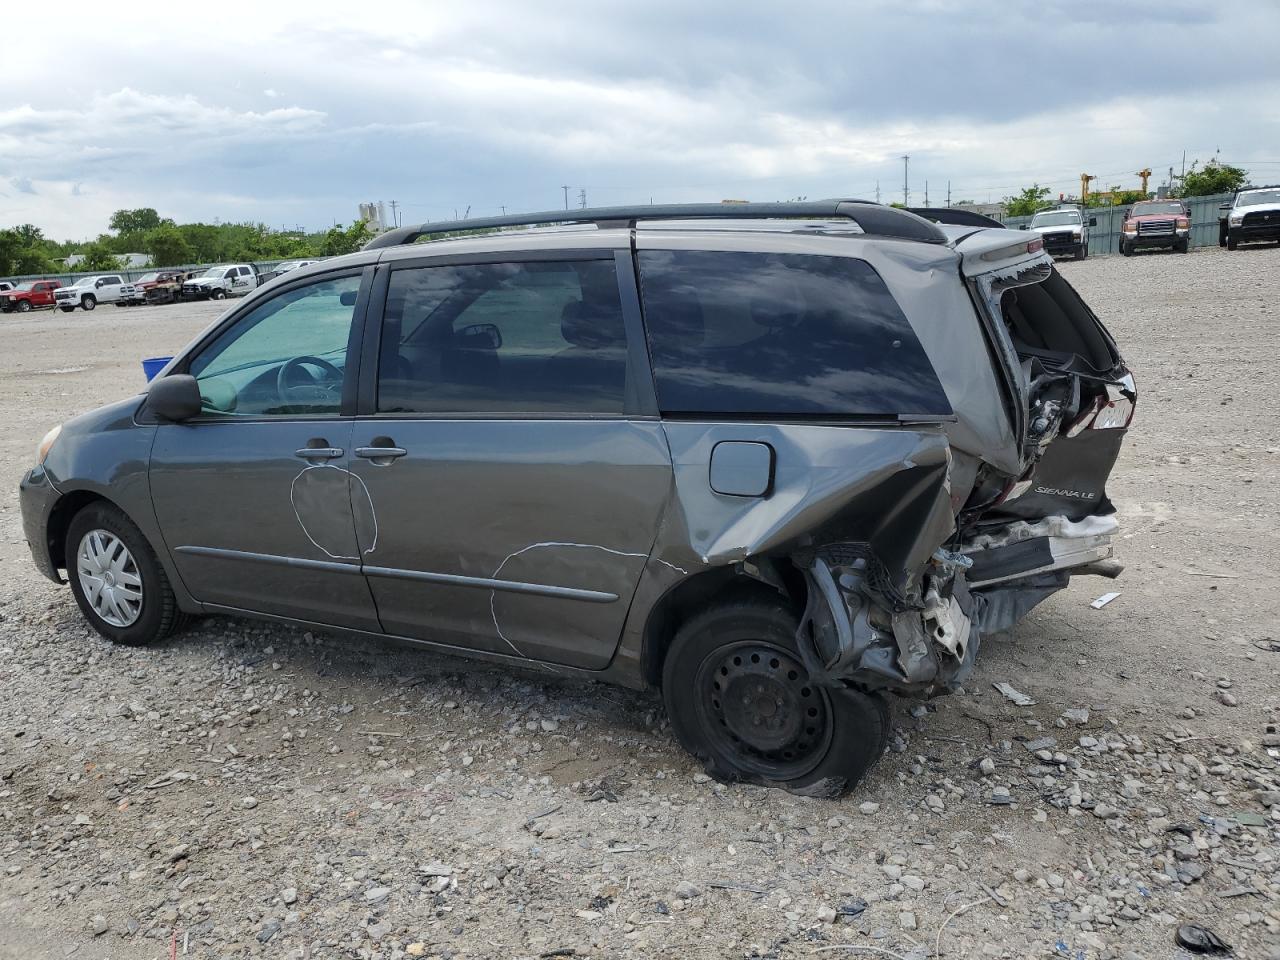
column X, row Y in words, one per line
column 312, row 494
column 553, row 561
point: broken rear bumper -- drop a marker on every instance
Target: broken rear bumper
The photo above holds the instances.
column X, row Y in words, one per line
column 859, row 630
column 1025, row 549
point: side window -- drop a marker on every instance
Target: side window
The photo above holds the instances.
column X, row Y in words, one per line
column 542, row 337
column 244, row 271
column 230, row 274
column 285, row 357
column 781, row 334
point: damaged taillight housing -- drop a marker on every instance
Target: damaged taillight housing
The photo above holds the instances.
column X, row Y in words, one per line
column 1112, row 411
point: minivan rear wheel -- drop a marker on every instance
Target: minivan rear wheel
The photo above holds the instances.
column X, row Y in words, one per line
column 740, row 700
column 117, row 581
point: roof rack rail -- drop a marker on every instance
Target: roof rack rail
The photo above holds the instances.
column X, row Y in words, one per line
column 873, row 218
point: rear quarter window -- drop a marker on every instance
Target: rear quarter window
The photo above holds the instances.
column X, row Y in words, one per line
column 772, row 334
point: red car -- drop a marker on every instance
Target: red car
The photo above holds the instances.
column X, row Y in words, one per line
column 29, row 295
column 1156, row 223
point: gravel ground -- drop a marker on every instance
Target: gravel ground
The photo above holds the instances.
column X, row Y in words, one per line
column 248, row 790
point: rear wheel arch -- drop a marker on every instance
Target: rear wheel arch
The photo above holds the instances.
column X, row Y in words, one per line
column 694, row 594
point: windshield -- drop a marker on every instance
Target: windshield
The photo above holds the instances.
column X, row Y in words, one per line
column 29, row 285
column 148, row 278
column 214, row 272
column 1257, row 197
column 289, row 265
column 85, row 282
column 1147, row 209
column 1055, row 218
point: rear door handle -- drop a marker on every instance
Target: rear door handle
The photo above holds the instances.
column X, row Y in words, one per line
column 318, row 453
column 380, row 453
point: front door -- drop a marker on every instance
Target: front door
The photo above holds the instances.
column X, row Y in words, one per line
column 254, row 496
column 515, row 479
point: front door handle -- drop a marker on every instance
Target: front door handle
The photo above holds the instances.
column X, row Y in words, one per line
column 321, row 451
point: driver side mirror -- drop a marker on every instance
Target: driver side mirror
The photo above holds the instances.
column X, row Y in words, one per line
column 1023, row 227
column 175, row 398
column 1093, row 221
column 1224, row 206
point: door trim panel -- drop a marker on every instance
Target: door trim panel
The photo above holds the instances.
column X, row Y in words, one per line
column 488, row 583
column 221, row 553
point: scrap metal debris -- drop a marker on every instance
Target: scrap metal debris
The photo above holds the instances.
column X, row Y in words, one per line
column 1103, row 600
column 1014, row 696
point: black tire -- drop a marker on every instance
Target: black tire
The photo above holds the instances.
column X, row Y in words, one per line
column 1222, row 234
column 158, row 615
column 218, row 295
column 814, row 740
column 1126, row 249
column 89, row 301
column 1183, row 246
column 1232, row 243
column 67, row 309
column 24, row 306
column 1082, row 251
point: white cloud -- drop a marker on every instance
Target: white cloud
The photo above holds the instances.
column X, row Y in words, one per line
column 494, row 103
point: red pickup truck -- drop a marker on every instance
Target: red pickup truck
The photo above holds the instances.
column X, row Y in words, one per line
column 29, row 295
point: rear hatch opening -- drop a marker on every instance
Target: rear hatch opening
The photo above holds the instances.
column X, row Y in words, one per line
column 1078, row 399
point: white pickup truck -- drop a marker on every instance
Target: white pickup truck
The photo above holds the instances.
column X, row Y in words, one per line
column 88, row 292
column 227, row 280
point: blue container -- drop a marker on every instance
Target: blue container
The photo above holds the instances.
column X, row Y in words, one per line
column 153, row 365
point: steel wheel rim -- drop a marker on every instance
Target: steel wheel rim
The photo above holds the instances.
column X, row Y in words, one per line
column 110, row 578
column 758, row 706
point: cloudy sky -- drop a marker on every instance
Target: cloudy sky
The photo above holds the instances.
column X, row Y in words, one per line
column 293, row 113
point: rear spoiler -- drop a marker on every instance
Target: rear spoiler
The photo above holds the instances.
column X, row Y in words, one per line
column 955, row 216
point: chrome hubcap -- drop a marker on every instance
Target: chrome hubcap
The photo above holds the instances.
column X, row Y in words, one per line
column 109, row 578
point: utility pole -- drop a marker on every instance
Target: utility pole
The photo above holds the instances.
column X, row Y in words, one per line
column 1145, row 174
column 565, row 188
column 906, row 188
column 504, row 210
column 395, row 220
column 582, row 198
column 877, row 191
column 948, row 193
column 926, row 193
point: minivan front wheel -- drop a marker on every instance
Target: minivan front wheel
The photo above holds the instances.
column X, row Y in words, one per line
column 741, row 701
column 116, row 578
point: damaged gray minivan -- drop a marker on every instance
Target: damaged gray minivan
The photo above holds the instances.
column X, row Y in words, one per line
column 780, row 461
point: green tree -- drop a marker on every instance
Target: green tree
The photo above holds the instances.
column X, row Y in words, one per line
column 168, row 247
column 23, row 251
column 1030, row 201
column 134, row 221
column 338, row 241
column 97, row 256
column 1116, row 198
column 1214, row 178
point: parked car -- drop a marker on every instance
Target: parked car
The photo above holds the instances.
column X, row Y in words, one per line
column 227, row 280
column 170, row 290
column 135, row 293
column 780, row 461
column 88, row 292
column 1252, row 214
column 29, row 295
column 1064, row 230
column 6, row 285
column 1156, row 223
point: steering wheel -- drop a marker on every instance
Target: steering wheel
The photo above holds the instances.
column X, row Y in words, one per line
column 313, row 391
